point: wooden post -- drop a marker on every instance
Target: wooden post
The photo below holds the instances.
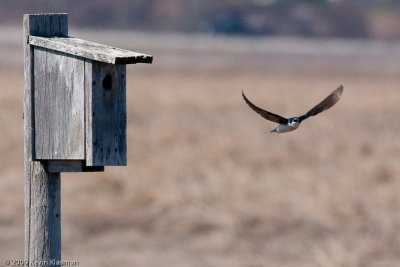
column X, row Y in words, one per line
column 42, row 214
column 74, row 121
column 42, row 188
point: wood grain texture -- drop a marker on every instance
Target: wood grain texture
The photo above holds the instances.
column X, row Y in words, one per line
column 39, row 25
column 29, row 152
column 91, row 50
column 42, row 189
column 43, row 240
column 59, row 103
column 105, row 96
column 47, row 25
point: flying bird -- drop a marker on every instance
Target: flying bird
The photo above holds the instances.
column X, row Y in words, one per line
column 291, row 124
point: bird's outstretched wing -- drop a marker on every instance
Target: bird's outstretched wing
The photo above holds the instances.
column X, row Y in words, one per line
column 265, row 114
column 325, row 104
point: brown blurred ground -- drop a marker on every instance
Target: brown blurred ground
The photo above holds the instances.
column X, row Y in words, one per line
column 204, row 185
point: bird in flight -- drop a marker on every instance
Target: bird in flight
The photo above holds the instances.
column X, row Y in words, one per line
column 291, row 124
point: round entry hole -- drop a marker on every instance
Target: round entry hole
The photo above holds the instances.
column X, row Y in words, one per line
column 107, row 82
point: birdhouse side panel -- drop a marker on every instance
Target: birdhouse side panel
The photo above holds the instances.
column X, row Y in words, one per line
column 105, row 90
column 58, row 106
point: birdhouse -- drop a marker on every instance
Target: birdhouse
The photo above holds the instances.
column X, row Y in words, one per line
column 78, row 114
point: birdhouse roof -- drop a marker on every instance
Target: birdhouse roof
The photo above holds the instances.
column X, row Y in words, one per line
column 90, row 50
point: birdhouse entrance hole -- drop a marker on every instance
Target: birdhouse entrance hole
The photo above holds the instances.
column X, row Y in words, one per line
column 107, row 82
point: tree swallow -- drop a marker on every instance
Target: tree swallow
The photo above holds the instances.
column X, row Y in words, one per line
column 291, row 124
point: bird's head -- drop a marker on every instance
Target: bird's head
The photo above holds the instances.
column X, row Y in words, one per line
column 294, row 120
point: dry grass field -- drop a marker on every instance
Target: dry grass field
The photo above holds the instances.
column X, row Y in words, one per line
column 204, row 185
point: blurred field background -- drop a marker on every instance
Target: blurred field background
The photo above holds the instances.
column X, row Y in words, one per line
column 204, row 185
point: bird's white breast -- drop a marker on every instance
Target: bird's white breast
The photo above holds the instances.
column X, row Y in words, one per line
column 282, row 128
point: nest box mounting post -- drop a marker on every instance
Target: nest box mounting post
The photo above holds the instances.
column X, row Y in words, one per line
column 74, row 119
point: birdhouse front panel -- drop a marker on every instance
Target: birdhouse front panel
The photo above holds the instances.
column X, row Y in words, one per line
column 105, row 92
column 59, row 122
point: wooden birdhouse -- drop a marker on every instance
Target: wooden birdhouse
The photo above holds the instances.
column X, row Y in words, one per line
column 78, row 101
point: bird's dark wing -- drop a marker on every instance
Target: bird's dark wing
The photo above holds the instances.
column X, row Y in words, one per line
column 325, row 104
column 265, row 114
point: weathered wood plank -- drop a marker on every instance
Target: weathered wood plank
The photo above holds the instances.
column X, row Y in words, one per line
column 105, row 114
column 38, row 25
column 59, row 102
column 91, row 50
column 28, row 94
column 42, row 189
column 64, row 166
column 71, row 166
column 89, row 82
